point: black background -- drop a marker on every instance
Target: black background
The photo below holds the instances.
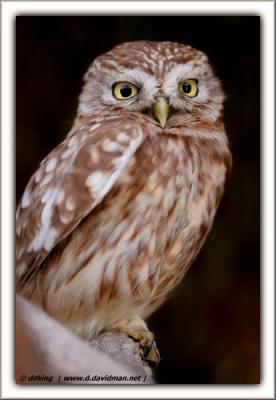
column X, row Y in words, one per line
column 208, row 332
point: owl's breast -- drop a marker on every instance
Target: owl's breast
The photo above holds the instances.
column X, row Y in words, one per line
column 165, row 201
column 135, row 246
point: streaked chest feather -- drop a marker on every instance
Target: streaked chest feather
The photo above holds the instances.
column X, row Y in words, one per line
column 147, row 231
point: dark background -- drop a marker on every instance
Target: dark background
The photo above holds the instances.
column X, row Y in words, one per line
column 208, row 332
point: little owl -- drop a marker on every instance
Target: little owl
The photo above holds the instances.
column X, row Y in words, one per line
column 116, row 214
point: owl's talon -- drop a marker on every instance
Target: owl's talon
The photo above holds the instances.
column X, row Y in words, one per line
column 140, row 333
column 148, row 346
column 151, row 353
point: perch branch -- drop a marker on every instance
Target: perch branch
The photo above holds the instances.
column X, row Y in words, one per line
column 46, row 349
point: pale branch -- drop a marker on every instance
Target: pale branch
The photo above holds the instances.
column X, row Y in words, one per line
column 45, row 349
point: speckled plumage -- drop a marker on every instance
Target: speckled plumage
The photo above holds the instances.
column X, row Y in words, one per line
column 115, row 215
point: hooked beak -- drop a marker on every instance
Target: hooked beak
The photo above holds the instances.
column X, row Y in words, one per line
column 161, row 110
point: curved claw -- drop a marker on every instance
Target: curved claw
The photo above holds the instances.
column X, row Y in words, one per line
column 151, row 353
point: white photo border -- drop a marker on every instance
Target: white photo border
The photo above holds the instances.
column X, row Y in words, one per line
column 9, row 10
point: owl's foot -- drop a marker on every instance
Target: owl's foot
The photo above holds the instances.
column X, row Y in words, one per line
column 137, row 329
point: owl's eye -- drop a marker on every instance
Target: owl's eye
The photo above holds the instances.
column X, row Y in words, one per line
column 189, row 87
column 124, row 90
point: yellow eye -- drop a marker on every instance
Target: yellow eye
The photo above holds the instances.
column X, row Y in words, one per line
column 124, row 90
column 189, row 87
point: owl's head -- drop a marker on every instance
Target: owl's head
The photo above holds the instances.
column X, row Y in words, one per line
column 165, row 81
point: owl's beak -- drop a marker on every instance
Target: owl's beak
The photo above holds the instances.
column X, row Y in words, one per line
column 161, row 110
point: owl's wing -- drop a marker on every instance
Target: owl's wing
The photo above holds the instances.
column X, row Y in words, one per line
column 70, row 182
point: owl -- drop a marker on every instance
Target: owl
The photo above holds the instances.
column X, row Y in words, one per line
column 115, row 215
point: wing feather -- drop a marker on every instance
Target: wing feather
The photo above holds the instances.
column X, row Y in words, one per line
column 70, row 182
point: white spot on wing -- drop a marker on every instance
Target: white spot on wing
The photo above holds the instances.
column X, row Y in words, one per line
column 38, row 175
column 50, row 238
column 47, row 212
column 95, row 182
column 60, row 197
column 26, row 199
column 46, row 195
column 46, row 216
column 111, row 147
column 51, row 165
column 45, row 180
column 94, row 153
column 47, row 234
column 64, row 219
column 70, row 204
column 122, row 137
column 45, row 238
